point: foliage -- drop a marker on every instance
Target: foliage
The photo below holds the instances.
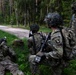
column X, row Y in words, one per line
column 22, row 53
column 22, row 58
column 71, row 70
column 26, row 12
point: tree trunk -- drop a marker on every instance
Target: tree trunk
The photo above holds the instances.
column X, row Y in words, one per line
column 24, row 19
column 16, row 14
column 10, row 4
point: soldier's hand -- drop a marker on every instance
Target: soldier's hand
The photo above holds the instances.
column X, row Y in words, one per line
column 47, row 55
column 40, row 54
column 39, row 57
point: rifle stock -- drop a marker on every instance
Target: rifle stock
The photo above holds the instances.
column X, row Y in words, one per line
column 43, row 45
column 38, row 58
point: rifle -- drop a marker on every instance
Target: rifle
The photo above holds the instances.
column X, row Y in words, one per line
column 34, row 44
column 42, row 47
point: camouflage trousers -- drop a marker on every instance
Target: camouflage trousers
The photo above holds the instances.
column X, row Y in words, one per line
column 55, row 70
column 33, row 66
column 34, row 69
column 9, row 65
column 57, row 66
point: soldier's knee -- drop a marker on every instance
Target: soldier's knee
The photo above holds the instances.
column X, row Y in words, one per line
column 18, row 72
column 1, row 73
column 31, row 58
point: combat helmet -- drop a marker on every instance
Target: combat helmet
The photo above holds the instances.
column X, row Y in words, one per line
column 53, row 19
column 34, row 28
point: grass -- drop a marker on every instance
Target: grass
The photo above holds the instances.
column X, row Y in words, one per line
column 42, row 28
column 22, row 57
column 8, row 36
column 22, row 53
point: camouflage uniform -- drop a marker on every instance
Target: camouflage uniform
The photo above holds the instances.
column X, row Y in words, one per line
column 32, row 52
column 34, row 68
column 73, row 23
column 6, row 57
column 54, row 57
column 56, row 42
column 61, row 40
column 73, row 19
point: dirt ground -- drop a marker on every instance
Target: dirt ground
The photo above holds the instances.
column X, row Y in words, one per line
column 20, row 33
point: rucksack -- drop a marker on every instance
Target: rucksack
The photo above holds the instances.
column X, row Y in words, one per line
column 71, row 52
column 37, row 41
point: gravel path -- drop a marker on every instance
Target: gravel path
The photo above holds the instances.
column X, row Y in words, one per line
column 20, row 33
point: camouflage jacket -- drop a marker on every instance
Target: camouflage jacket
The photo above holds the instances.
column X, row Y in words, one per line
column 6, row 53
column 56, row 42
column 73, row 23
column 38, row 41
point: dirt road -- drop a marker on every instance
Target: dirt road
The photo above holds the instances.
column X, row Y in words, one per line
column 20, row 33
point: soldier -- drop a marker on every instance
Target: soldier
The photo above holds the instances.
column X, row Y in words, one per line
column 7, row 56
column 62, row 42
column 60, row 51
column 54, row 21
column 34, row 43
column 73, row 19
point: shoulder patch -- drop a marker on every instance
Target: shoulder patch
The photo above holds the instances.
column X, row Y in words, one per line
column 57, row 40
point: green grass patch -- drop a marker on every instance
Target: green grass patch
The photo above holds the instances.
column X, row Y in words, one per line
column 43, row 28
column 8, row 36
column 22, row 58
column 22, row 53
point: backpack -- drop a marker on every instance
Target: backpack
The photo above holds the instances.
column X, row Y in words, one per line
column 69, row 52
column 37, row 41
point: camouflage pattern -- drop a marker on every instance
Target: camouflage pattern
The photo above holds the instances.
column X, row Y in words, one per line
column 57, row 43
column 6, row 63
column 57, row 70
column 73, row 23
column 53, row 19
column 73, row 7
column 34, row 28
column 56, row 40
column 59, row 38
column 9, row 65
column 55, row 55
column 73, row 19
column 70, row 41
column 33, row 66
column 57, row 49
column 38, row 39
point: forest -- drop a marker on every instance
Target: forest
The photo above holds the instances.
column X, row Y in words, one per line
column 26, row 12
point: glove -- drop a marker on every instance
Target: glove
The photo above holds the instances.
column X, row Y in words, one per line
column 40, row 54
column 39, row 57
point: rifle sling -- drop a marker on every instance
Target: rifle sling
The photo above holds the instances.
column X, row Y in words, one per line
column 34, row 44
column 64, row 45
